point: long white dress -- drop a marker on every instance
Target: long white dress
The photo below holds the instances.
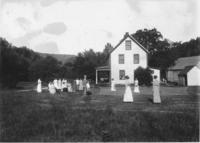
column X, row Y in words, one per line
column 55, row 83
column 69, row 87
column 136, row 87
column 80, row 85
column 88, row 86
column 156, row 91
column 59, row 84
column 128, row 96
column 113, row 88
column 39, row 86
column 52, row 89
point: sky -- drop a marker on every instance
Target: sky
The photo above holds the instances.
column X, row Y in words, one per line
column 72, row 26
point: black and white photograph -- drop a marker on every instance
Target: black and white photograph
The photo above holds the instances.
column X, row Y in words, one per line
column 99, row 70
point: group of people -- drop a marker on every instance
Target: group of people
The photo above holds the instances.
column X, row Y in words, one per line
column 58, row 86
column 128, row 95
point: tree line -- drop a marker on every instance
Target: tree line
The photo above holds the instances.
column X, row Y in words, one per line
column 22, row 64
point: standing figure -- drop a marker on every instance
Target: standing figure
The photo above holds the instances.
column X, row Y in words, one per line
column 55, row 83
column 136, row 86
column 74, row 85
column 64, row 85
column 77, row 84
column 59, row 85
column 80, row 84
column 84, row 85
column 88, row 86
column 156, row 90
column 113, row 88
column 128, row 96
column 39, row 86
column 52, row 89
column 69, row 87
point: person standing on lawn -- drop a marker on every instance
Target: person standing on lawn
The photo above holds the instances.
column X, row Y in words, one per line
column 55, row 82
column 80, row 85
column 84, row 85
column 77, row 84
column 52, row 89
column 39, row 86
column 136, row 86
column 88, row 86
column 113, row 85
column 156, row 90
column 60, row 85
column 128, row 96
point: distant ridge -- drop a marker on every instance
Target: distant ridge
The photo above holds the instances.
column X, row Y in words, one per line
column 60, row 57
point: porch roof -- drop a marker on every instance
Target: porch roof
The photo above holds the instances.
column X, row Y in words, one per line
column 101, row 68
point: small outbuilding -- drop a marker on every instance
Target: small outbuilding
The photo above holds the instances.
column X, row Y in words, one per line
column 190, row 76
column 185, row 72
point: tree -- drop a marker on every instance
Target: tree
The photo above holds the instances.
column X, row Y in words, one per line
column 160, row 55
column 150, row 39
column 14, row 63
column 46, row 68
column 144, row 76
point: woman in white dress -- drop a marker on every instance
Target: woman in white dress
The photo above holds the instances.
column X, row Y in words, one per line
column 113, row 85
column 59, row 84
column 80, row 84
column 88, row 86
column 136, row 87
column 39, row 86
column 128, row 96
column 52, row 89
column 55, row 83
column 64, row 85
column 156, row 90
column 69, row 87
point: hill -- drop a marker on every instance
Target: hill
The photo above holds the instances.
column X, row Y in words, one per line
column 60, row 57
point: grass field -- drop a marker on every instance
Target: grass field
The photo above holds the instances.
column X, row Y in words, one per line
column 28, row 116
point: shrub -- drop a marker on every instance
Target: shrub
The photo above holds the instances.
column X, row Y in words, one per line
column 144, row 76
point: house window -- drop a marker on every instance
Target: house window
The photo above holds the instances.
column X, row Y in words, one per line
column 121, row 74
column 136, row 59
column 128, row 44
column 121, row 58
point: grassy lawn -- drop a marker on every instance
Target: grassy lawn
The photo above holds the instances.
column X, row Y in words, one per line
column 28, row 116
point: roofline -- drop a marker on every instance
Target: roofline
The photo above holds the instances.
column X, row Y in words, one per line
column 133, row 39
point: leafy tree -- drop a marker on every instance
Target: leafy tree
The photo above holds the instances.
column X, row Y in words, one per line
column 150, row 39
column 46, row 68
column 87, row 61
column 14, row 63
column 67, row 71
column 160, row 54
column 144, row 76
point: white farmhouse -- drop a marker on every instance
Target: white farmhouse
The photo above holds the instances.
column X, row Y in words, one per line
column 125, row 58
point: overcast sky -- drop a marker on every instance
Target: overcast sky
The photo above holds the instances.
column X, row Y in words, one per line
column 71, row 26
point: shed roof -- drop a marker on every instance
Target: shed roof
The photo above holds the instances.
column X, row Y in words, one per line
column 185, row 70
column 183, row 62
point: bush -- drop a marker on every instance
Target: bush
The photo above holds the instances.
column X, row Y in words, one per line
column 144, row 76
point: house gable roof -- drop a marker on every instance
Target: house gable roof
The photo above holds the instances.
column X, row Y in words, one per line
column 183, row 62
column 133, row 39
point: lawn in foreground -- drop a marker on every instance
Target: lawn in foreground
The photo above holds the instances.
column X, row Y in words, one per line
column 27, row 116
